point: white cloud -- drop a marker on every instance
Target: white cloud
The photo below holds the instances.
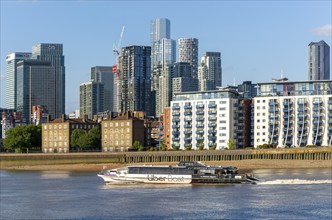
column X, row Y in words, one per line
column 2, row 77
column 325, row 30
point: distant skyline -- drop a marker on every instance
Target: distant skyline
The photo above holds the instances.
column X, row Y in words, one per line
column 257, row 40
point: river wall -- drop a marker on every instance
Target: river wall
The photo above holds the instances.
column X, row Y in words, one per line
column 10, row 160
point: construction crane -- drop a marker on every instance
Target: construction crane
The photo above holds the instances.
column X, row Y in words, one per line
column 116, row 48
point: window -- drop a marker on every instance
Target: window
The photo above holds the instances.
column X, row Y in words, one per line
column 258, row 120
column 111, row 124
column 105, row 125
column 258, row 114
column 122, row 123
column 128, row 123
column 258, row 127
column 258, row 133
column 258, row 101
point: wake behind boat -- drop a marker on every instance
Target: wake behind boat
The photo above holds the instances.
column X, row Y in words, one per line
column 183, row 173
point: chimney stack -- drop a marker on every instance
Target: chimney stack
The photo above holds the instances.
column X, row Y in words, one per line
column 63, row 117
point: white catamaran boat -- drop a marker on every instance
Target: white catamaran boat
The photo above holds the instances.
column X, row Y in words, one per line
column 183, row 173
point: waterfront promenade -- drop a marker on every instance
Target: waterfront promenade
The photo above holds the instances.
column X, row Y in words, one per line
column 248, row 159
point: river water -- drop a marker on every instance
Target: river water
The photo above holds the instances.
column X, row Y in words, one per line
column 281, row 194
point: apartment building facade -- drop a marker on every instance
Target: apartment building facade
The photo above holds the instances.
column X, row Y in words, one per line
column 293, row 114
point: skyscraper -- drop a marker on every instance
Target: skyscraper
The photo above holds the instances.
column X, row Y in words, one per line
column 11, row 77
column 35, row 86
column 318, row 61
column 188, row 52
column 212, row 74
column 135, row 71
column 91, row 98
column 105, row 75
column 54, row 54
column 163, row 53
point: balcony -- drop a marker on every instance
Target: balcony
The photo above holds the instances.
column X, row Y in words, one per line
column 273, row 136
column 187, row 139
column 199, row 125
column 212, row 131
column 317, row 102
column 187, row 126
column 174, row 107
column 288, row 122
column 175, row 126
column 175, row 113
column 187, row 132
column 212, row 105
column 187, row 120
column 304, row 135
column 200, row 119
column 212, row 118
column 200, row 113
column 187, row 107
column 317, row 128
column 273, row 116
column 212, row 112
column 200, row 132
column 289, row 142
column 273, row 110
column 175, row 132
column 199, row 138
column 199, row 106
column 188, row 113
column 212, row 125
column 273, row 103
column 212, row 138
column 176, row 139
column 175, row 120
column 287, row 136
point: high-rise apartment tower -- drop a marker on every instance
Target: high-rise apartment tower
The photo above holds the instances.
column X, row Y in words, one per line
column 318, row 61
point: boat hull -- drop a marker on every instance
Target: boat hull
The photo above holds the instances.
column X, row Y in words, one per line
column 151, row 179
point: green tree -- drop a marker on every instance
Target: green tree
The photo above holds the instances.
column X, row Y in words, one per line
column 94, row 138
column 200, row 145
column 76, row 138
column 163, row 146
column 23, row 138
column 231, row 144
column 137, row 146
column 188, row 146
column 175, row 147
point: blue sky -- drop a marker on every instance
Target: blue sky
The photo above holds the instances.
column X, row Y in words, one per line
column 256, row 39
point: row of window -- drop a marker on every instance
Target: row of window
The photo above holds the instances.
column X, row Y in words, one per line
column 117, row 137
column 111, row 124
column 116, row 143
column 55, row 138
column 73, row 126
column 55, row 144
column 117, row 130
